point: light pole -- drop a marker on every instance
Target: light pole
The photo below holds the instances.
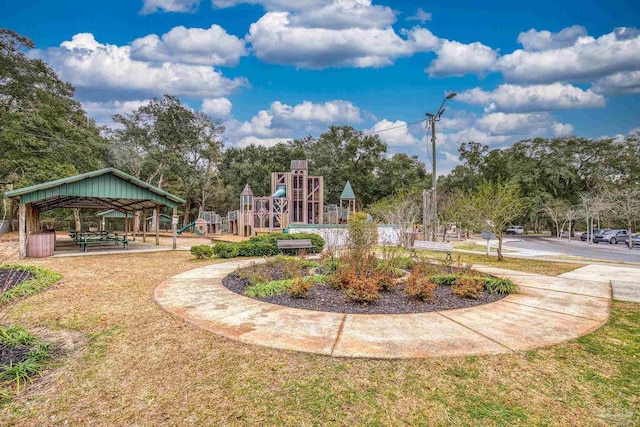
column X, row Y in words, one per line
column 433, row 118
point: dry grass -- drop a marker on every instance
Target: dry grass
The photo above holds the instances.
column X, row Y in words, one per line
column 142, row 366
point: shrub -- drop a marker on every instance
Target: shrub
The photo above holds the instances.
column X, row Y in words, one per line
column 202, row 251
column 248, row 248
column 468, row 287
column 271, row 240
column 405, row 263
column 498, row 285
column 363, row 290
column 226, row 250
column 421, row 288
column 445, row 279
column 385, row 278
column 262, row 289
column 300, row 287
column 330, row 265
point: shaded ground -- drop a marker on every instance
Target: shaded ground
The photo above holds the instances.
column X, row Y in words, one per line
column 143, row 366
column 326, row 298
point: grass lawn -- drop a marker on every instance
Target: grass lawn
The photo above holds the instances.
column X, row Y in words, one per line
column 135, row 364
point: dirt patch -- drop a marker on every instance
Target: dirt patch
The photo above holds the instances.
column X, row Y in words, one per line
column 11, row 278
column 326, row 298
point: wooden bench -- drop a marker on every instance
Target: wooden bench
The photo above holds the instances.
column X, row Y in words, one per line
column 294, row 244
column 433, row 246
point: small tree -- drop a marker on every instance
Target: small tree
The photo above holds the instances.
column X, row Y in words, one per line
column 556, row 210
column 494, row 206
column 571, row 215
column 362, row 236
column 624, row 205
column 592, row 205
column 401, row 211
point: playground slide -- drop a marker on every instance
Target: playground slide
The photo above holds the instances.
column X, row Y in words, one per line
column 280, row 192
column 183, row 229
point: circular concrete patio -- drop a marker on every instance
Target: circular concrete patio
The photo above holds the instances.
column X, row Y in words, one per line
column 548, row 310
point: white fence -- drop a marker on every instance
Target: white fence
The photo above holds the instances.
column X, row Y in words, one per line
column 336, row 236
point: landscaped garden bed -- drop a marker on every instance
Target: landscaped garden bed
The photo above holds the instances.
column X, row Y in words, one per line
column 17, row 281
column 298, row 283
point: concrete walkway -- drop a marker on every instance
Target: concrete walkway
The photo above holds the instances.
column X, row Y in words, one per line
column 549, row 310
column 625, row 281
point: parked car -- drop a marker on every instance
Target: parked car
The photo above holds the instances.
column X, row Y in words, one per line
column 515, row 229
column 611, row 236
column 635, row 240
column 584, row 235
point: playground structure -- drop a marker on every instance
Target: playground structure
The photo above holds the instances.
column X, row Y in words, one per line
column 296, row 198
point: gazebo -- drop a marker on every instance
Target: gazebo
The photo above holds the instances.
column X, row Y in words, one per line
column 101, row 189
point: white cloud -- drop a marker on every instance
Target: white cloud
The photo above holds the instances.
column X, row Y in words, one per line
column 211, row 46
column 286, row 38
column 400, row 136
column 508, row 97
column 217, row 108
column 619, row 84
column 265, row 142
column 420, row 16
column 86, row 63
column 588, row 58
column 457, row 59
column 562, row 129
column 521, row 124
column 328, row 112
column 276, row 4
column 102, row 112
column 534, row 40
column 281, row 121
column 344, row 14
column 152, row 6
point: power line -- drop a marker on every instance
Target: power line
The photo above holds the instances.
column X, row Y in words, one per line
column 394, row 127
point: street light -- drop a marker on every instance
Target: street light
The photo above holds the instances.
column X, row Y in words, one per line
column 433, row 118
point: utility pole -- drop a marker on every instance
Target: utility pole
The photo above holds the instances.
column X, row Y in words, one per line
column 433, row 118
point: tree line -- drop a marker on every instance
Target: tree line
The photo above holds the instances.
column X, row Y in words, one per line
column 45, row 134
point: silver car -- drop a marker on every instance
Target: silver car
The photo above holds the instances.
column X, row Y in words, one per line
column 611, row 236
column 635, row 240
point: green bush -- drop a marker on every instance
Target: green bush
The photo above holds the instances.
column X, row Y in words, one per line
column 226, row 250
column 262, row 290
column 445, row 279
column 405, row 263
column 498, row 285
column 42, row 278
column 271, row 239
column 202, row 251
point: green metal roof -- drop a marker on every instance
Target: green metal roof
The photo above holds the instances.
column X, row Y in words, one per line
column 105, row 188
column 347, row 193
column 113, row 214
column 163, row 218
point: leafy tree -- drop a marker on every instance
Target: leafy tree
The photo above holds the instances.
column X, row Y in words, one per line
column 624, row 205
column 168, row 145
column 44, row 133
column 494, row 206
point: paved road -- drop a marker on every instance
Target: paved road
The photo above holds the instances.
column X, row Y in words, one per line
column 602, row 251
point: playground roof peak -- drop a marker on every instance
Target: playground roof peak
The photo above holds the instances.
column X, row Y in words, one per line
column 247, row 191
column 347, row 193
column 299, row 164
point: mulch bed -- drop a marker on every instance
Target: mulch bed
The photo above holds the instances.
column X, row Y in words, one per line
column 326, row 298
column 11, row 278
column 13, row 355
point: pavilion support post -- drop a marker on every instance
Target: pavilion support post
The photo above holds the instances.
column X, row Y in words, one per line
column 174, row 227
column 126, row 224
column 22, row 225
column 144, row 226
column 156, row 214
column 136, row 225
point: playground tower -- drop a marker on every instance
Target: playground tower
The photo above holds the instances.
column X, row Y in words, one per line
column 296, row 198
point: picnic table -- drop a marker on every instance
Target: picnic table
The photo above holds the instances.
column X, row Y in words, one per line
column 84, row 240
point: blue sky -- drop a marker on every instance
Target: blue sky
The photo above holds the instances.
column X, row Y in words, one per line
column 278, row 69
